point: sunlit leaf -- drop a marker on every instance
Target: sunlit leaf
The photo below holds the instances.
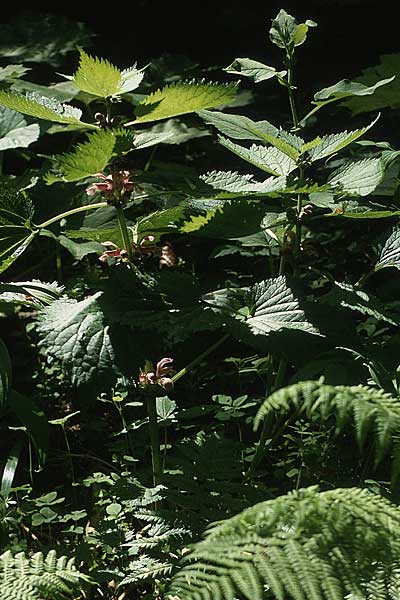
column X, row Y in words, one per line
column 360, row 177
column 253, row 69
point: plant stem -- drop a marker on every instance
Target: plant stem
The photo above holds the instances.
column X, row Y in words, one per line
column 71, row 212
column 292, row 102
column 199, row 358
column 154, row 439
column 124, row 230
column 261, row 446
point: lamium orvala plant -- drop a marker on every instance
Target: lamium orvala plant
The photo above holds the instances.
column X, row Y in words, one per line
column 196, row 390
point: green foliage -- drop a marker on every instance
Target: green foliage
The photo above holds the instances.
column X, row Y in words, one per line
column 308, row 544
column 99, row 77
column 41, row 107
column 40, row 577
column 244, row 184
column 389, row 255
column 181, row 98
column 5, row 373
column 372, row 412
column 76, row 333
column 271, row 159
column 361, row 177
column 88, row 158
column 15, row 228
column 14, row 130
column 253, row 69
column 286, row 33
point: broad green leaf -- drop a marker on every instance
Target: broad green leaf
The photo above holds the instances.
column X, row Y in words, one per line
column 388, row 70
column 253, row 69
column 334, row 142
column 87, row 159
column 99, row 77
column 5, row 373
column 99, row 235
column 64, row 91
column 268, row 159
column 76, row 333
column 145, row 139
column 181, row 98
column 41, row 107
column 345, row 88
column 389, row 255
column 267, row 307
column 159, row 223
column 237, row 126
column 231, row 181
column 15, row 230
column 80, row 250
column 14, row 130
column 233, row 220
column 360, row 177
column 35, row 293
column 286, row 33
column 240, row 127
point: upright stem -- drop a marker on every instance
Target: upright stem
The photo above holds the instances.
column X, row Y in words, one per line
column 199, row 358
column 124, row 230
column 154, row 439
column 292, row 102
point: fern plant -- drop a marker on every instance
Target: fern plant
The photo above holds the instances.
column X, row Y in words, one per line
column 39, row 577
column 342, row 543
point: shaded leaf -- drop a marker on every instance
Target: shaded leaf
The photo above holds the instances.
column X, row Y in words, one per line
column 15, row 229
column 270, row 159
column 389, row 255
column 14, row 130
column 360, row 177
column 5, row 373
column 181, row 98
column 253, row 69
column 76, row 334
column 232, row 181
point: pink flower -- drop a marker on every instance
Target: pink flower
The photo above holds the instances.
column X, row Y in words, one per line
column 114, row 253
column 115, row 184
column 163, row 368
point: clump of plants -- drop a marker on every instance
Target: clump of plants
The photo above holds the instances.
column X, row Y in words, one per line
column 210, row 399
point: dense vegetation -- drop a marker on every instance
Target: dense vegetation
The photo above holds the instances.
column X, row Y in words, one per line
column 199, row 373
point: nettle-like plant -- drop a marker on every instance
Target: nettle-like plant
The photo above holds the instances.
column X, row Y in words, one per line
column 143, row 303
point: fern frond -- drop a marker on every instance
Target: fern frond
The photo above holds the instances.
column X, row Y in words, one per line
column 368, row 410
column 39, row 577
column 305, row 545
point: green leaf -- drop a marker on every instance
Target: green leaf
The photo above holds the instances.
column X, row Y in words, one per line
column 11, row 72
column 10, row 467
column 35, row 293
column 237, row 126
column 253, row 69
column 166, row 408
column 267, row 307
column 240, row 127
column 14, row 130
column 389, row 255
column 181, row 98
column 334, row 142
column 345, row 88
column 5, row 373
column 230, row 221
column 270, row 159
column 99, row 77
column 80, row 250
column 76, row 333
column 15, row 230
column 286, row 33
column 41, row 107
column 173, row 131
column 360, row 177
column 231, row 181
column 87, row 159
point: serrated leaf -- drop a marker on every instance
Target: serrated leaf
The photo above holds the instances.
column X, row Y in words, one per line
column 270, row 159
column 96, row 235
column 231, row 221
column 232, row 181
column 88, row 158
column 130, row 79
column 267, row 307
column 350, row 297
column 345, row 88
column 334, row 142
column 240, row 127
column 97, row 76
column 181, row 98
column 14, row 130
column 5, row 373
column 237, row 127
column 253, row 69
column 389, row 256
column 360, row 177
column 49, row 109
column 76, row 334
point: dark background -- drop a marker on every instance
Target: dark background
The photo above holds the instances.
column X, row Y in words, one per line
column 351, row 34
